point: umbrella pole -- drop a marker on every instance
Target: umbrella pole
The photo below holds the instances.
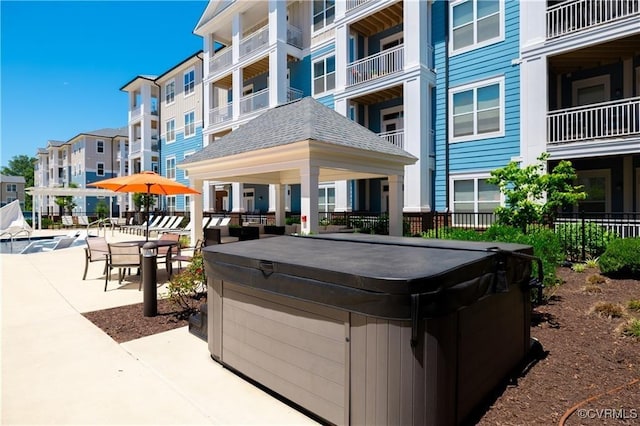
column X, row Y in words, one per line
column 147, row 203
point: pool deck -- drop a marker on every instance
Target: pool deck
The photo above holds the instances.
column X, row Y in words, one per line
column 60, row 369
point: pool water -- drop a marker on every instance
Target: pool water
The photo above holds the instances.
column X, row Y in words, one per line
column 33, row 245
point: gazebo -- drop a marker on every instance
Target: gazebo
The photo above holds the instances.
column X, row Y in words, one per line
column 301, row 142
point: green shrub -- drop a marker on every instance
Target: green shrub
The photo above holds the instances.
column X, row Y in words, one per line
column 292, row 220
column 621, row 258
column 634, row 305
column 632, row 328
column 578, row 267
column 188, row 287
column 46, row 222
column 596, row 239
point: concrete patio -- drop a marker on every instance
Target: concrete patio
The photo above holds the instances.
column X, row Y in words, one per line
column 59, row 368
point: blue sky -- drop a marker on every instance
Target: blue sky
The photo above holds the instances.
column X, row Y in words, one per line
column 62, row 63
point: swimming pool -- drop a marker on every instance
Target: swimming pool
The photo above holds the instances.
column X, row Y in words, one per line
column 38, row 244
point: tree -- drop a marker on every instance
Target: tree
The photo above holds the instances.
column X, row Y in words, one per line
column 22, row 165
column 66, row 202
column 531, row 194
column 102, row 209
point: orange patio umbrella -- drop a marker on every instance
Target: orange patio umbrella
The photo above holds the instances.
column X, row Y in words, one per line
column 146, row 182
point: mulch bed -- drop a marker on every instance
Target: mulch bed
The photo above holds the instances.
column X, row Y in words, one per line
column 586, row 356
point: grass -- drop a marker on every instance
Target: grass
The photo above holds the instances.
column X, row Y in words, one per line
column 592, row 263
column 596, row 279
column 608, row 310
column 632, row 328
column 592, row 289
column 634, row 305
column 578, row 267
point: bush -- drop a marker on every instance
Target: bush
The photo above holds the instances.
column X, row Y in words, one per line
column 188, row 287
column 47, row 223
column 632, row 328
column 621, row 258
column 608, row 310
column 596, row 239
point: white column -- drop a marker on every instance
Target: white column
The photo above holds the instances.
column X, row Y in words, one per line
column 272, row 198
column 342, row 55
column 417, row 128
column 395, row 205
column 195, row 207
column 236, row 29
column 416, row 33
column 534, row 88
column 277, row 56
column 309, row 198
column 279, row 198
column 237, row 190
column 342, row 196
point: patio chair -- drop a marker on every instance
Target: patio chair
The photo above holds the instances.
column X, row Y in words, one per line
column 96, row 250
column 186, row 257
column 124, row 257
column 67, row 221
column 165, row 253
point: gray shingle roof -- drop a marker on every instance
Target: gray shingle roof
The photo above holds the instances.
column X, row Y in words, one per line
column 294, row 122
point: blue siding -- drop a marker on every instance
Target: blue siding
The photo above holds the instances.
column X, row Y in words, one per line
column 300, row 75
column 177, row 149
column 494, row 60
column 326, row 50
column 327, row 101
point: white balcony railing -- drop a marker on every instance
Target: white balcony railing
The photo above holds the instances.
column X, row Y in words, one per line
column 576, row 15
column 293, row 94
column 221, row 114
column 352, row 4
column 221, row 59
column 254, row 41
column 395, row 137
column 136, row 112
column 597, row 121
column 384, row 63
column 136, row 146
column 294, row 36
column 254, row 102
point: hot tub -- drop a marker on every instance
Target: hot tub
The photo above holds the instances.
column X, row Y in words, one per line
column 361, row 329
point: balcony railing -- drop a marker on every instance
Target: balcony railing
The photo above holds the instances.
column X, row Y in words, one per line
column 577, row 15
column 294, row 36
column 293, row 94
column 254, row 41
column 221, row 59
column 136, row 146
column 254, row 102
column 352, row 4
column 136, row 112
column 384, row 63
column 395, row 137
column 596, row 121
column 221, row 114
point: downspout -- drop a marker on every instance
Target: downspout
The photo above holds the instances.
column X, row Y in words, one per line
column 446, row 106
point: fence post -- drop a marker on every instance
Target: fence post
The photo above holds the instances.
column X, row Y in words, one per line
column 436, row 222
column 584, row 231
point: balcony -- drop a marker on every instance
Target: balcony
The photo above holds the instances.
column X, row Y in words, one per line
column 293, row 94
column 254, row 102
column 572, row 16
column 294, row 36
column 136, row 113
column 136, row 146
column 373, row 67
column 254, row 41
column 221, row 60
column 395, row 137
column 221, row 114
column 616, row 119
column 354, row 4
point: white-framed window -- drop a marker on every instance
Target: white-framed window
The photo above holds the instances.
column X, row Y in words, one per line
column 170, row 128
column 477, row 110
column 326, row 198
column 324, row 12
column 248, row 199
column 475, row 23
column 187, row 154
column 171, row 204
column 189, row 82
column 99, row 147
column 474, row 195
column 12, row 187
column 187, row 203
column 170, row 92
column 597, row 184
column 324, row 75
column 100, row 169
column 189, row 124
column 171, row 168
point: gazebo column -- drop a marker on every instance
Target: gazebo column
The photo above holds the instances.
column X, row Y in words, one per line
column 237, row 191
column 309, row 198
column 195, row 207
column 279, row 198
column 395, row 204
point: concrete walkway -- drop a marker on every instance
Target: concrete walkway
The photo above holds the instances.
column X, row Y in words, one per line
column 59, row 368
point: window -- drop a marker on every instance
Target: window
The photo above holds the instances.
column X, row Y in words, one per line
column 12, row 187
column 477, row 110
column 189, row 82
column 187, row 154
column 99, row 147
column 171, row 204
column 171, row 168
column 323, row 13
column 187, row 203
column 326, row 198
column 324, row 75
column 189, row 124
column 100, row 169
column 248, row 199
column 170, row 92
column 475, row 195
column 475, row 23
column 596, row 184
column 171, row 130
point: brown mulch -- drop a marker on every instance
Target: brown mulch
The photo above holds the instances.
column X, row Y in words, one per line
column 585, row 356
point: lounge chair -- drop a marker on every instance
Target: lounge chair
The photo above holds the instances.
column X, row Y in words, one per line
column 67, row 221
column 97, row 250
column 213, row 222
column 124, row 257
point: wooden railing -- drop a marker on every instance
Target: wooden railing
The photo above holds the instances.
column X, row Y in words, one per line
column 597, row 121
column 576, row 15
column 375, row 66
